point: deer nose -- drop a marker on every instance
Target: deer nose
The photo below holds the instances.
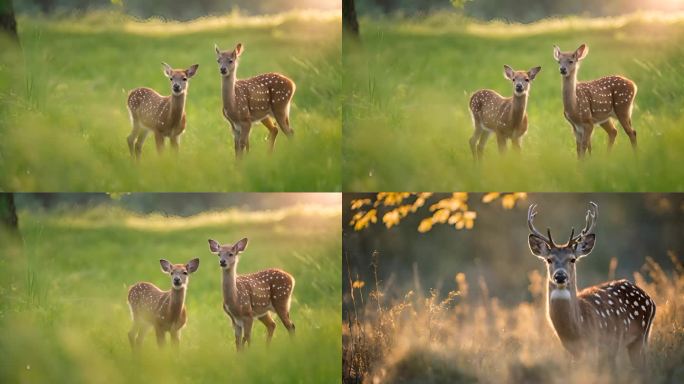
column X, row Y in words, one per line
column 560, row 277
column 563, row 70
column 176, row 280
column 518, row 87
column 176, row 87
column 223, row 70
column 222, row 263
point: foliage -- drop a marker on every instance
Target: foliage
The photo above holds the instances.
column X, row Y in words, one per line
column 64, row 317
column 64, row 122
column 452, row 210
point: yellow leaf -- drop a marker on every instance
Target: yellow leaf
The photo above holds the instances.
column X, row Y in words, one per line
column 391, row 218
column 358, row 284
column 441, row 216
column 508, row 201
column 425, row 225
column 489, row 197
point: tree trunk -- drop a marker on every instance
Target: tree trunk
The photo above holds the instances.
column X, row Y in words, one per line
column 349, row 20
column 9, row 223
column 8, row 23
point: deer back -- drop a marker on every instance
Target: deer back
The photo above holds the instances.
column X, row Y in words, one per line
column 155, row 111
column 264, row 289
column 597, row 100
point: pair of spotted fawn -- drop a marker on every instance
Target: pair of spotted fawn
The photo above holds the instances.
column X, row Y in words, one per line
column 585, row 104
column 244, row 102
column 245, row 297
column 604, row 318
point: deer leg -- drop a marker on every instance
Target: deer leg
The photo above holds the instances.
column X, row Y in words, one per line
column 135, row 132
column 477, row 133
column 135, row 329
column 272, row 132
column 159, row 140
column 625, row 120
column 237, row 329
column 244, row 137
column 174, row 142
column 515, row 141
column 247, row 330
column 588, row 130
column 284, row 315
column 611, row 131
column 270, row 326
column 175, row 337
column 636, row 353
column 142, row 331
column 161, row 337
column 483, row 140
column 501, row 141
column 142, row 135
column 282, row 116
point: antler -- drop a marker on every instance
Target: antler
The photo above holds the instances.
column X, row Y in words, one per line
column 592, row 215
column 531, row 213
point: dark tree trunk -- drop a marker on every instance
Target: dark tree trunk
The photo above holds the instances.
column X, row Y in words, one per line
column 9, row 222
column 8, row 23
column 349, row 20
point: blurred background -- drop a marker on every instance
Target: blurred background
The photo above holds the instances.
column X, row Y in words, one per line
column 173, row 9
column 631, row 227
column 520, row 11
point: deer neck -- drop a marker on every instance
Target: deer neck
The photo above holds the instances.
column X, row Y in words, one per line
column 177, row 106
column 518, row 106
column 228, row 92
column 570, row 92
column 564, row 311
column 230, row 287
column 176, row 303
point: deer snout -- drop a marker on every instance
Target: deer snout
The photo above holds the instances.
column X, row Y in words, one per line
column 222, row 263
column 518, row 88
column 176, row 88
column 563, row 71
column 223, row 70
column 560, row 277
column 176, row 281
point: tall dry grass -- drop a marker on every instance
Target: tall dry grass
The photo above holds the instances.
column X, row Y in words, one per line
column 461, row 338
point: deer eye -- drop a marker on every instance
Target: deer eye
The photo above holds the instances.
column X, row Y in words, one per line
column 171, row 78
column 570, row 61
column 527, row 80
column 548, row 261
column 573, row 260
column 185, row 79
column 185, row 272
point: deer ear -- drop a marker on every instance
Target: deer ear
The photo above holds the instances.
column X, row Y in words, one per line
column 508, row 72
column 240, row 245
column 218, row 51
column 532, row 73
column 585, row 245
column 538, row 246
column 165, row 265
column 214, row 246
column 192, row 265
column 581, row 52
column 556, row 52
column 167, row 69
column 238, row 49
column 192, row 70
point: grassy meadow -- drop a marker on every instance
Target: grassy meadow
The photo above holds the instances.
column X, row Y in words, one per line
column 463, row 337
column 408, row 83
column 64, row 315
column 64, row 122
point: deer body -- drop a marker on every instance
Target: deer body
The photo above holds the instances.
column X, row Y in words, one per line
column 586, row 104
column 255, row 99
column 601, row 319
column 163, row 115
column 162, row 310
column 255, row 295
column 505, row 116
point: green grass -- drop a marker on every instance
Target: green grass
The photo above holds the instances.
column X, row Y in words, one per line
column 64, row 317
column 407, row 123
column 64, row 122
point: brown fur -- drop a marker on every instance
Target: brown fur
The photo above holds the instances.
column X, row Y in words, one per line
column 254, row 99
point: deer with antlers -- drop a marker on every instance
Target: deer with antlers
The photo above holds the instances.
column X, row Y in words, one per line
column 603, row 318
column 246, row 297
column 162, row 310
column 163, row 115
column 594, row 102
column 505, row 116
column 254, row 99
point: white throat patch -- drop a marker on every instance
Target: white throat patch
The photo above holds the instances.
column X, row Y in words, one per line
column 560, row 294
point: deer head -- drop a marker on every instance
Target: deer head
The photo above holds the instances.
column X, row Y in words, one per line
column 569, row 61
column 521, row 79
column 179, row 77
column 561, row 258
column 229, row 254
column 228, row 60
column 179, row 272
